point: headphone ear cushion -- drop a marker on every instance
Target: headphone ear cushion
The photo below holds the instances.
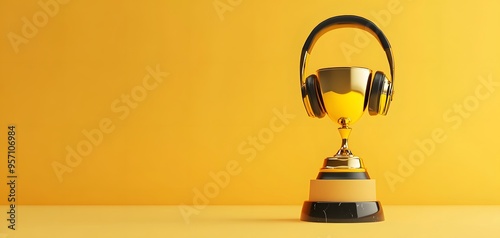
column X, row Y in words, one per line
column 375, row 93
column 313, row 92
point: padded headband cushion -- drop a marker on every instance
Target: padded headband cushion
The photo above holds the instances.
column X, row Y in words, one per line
column 349, row 21
column 345, row 21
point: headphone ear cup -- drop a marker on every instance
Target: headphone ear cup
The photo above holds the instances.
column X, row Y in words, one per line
column 376, row 93
column 313, row 92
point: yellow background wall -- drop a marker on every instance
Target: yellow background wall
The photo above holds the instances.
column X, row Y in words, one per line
column 221, row 121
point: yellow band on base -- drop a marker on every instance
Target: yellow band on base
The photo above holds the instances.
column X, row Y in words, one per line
column 342, row 190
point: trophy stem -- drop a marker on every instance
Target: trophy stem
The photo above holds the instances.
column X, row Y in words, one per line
column 344, row 131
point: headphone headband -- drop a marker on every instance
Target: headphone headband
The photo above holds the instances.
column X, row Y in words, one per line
column 341, row 22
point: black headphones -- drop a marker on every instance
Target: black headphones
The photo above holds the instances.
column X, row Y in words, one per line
column 382, row 89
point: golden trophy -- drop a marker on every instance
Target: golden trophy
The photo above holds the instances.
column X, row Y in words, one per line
column 343, row 190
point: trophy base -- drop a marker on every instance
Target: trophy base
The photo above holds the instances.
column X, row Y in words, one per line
column 342, row 212
column 342, row 199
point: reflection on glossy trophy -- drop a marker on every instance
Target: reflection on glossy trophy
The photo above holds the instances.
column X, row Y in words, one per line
column 343, row 92
column 343, row 190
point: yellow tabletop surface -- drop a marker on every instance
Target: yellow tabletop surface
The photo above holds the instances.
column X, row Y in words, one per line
column 246, row 221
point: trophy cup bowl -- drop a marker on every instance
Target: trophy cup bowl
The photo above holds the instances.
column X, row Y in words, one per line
column 343, row 190
column 344, row 91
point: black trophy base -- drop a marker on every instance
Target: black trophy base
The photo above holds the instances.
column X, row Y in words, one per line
column 342, row 212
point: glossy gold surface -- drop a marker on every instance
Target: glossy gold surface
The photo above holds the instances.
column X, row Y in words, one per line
column 344, row 90
column 339, row 170
column 343, row 162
